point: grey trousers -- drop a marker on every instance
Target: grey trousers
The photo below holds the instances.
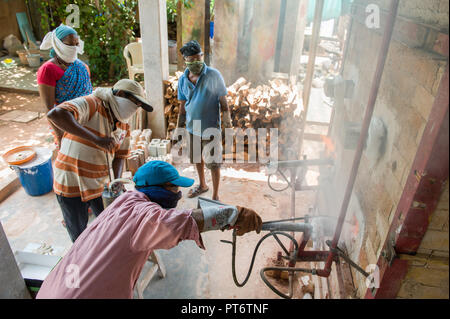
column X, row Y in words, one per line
column 75, row 213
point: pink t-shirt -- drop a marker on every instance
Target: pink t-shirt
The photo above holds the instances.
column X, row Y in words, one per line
column 49, row 73
column 107, row 258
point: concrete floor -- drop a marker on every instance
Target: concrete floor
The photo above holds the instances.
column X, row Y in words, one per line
column 18, row 77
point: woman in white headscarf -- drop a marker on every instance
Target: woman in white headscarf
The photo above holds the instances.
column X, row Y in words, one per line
column 64, row 77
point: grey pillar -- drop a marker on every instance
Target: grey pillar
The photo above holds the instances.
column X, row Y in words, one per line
column 12, row 285
column 153, row 23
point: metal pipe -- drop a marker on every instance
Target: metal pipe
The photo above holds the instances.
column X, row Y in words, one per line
column 287, row 226
column 301, row 163
column 364, row 132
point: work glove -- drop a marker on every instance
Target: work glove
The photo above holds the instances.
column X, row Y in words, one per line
column 227, row 120
column 219, row 217
column 248, row 220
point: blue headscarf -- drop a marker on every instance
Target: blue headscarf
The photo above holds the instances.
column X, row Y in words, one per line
column 61, row 32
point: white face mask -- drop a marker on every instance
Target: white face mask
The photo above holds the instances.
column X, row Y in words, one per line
column 67, row 53
column 123, row 109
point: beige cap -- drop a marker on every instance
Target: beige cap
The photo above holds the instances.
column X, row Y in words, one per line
column 135, row 89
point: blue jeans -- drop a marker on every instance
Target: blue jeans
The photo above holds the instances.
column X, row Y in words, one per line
column 75, row 213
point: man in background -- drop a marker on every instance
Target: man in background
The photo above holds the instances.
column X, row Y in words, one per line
column 202, row 95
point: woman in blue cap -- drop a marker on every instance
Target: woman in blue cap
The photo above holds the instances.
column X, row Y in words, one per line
column 64, row 77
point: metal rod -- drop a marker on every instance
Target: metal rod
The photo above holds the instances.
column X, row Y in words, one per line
column 302, row 163
column 315, row 39
column 364, row 132
column 293, row 171
column 287, row 226
column 281, row 245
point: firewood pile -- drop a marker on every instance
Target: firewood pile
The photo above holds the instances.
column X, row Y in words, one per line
column 172, row 107
column 272, row 105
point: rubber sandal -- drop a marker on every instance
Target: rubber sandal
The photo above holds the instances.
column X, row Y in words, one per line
column 197, row 191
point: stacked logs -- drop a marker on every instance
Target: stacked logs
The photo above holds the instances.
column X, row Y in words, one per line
column 272, row 105
column 172, row 107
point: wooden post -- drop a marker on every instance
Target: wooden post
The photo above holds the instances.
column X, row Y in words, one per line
column 263, row 40
column 180, row 61
column 226, row 25
column 207, row 49
column 193, row 27
column 155, row 47
column 315, row 39
column 291, row 36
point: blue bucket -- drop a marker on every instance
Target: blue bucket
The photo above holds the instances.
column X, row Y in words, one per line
column 36, row 176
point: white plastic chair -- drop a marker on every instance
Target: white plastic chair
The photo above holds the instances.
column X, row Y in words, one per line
column 133, row 55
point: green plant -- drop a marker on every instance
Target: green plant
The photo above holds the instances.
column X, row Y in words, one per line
column 171, row 6
column 105, row 26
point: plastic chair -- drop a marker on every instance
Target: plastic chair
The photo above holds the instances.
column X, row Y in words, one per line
column 133, row 55
column 146, row 276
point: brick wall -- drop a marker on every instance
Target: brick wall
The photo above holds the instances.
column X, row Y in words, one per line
column 407, row 92
column 428, row 271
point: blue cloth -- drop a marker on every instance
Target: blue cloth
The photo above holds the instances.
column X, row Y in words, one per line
column 159, row 172
column 332, row 9
column 202, row 99
column 161, row 196
column 61, row 32
column 74, row 83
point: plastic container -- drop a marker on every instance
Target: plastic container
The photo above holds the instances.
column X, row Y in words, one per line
column 23, row 55
column 34, row 60
column 36, row 176
column 173, row 52
column 19, row 155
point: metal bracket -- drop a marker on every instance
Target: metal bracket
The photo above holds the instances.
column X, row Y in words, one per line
column 389, row 252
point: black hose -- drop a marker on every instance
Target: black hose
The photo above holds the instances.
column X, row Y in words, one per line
column 254, row 254
column 290, row 269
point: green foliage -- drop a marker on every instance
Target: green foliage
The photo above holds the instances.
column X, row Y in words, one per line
column 171, row 6
column 106, row 27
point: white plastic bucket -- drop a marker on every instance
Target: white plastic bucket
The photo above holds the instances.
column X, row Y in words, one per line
column 34, row 60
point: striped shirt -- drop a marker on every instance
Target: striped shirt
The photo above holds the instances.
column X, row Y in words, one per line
column 81, row 169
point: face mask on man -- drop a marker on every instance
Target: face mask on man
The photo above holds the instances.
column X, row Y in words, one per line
column 195, row 67
column 123, row 109
column 163, row 197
